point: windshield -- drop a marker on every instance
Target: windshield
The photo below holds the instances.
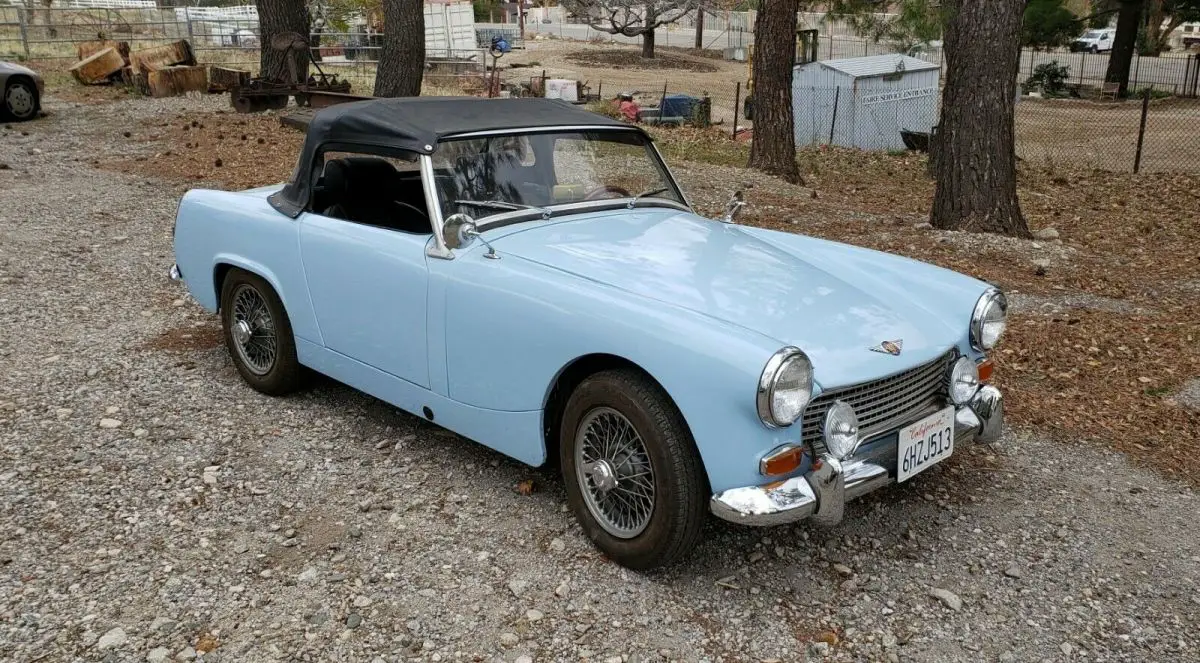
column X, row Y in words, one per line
column 1092, row 34
column 493, row 175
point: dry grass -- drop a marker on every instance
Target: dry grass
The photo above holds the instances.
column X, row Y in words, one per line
column 624, row 58
column 1085, row 374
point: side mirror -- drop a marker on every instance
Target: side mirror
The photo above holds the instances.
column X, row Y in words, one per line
column 733, row 207
column 458, row 231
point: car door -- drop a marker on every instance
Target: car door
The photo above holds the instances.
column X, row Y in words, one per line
column 369, row 289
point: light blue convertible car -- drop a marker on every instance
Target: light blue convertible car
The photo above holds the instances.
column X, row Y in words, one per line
column 529, row 275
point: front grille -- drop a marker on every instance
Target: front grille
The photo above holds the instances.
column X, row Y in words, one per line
column 882, row 405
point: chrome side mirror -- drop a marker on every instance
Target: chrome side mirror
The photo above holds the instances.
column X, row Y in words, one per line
column 458, row 231
column 733, row 207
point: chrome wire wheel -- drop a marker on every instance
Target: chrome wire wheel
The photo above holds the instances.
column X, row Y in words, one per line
column 253, row 330
column 614, row 472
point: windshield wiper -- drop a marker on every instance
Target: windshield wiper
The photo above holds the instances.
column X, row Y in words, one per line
column 504, row 205
column 651, row 192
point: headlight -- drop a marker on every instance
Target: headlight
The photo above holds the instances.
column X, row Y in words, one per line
column 988, row 320
column 785, row 388
column 964, row 380
column 841, row 430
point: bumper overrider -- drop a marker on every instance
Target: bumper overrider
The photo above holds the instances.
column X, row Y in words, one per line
column 822, row 492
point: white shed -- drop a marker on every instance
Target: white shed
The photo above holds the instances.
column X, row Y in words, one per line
column 864, row 102
column 449, row 29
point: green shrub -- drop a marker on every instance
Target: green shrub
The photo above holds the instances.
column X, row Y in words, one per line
column 1050, row 78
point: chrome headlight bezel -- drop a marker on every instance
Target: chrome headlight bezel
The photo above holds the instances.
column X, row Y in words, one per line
column 769, row 409
column 988, row 305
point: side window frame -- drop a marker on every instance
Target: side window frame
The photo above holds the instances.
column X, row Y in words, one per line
column 366, row 150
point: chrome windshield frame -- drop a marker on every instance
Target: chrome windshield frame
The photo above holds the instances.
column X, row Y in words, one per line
column 507, row 218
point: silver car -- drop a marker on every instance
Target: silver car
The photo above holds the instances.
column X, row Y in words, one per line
column 22, row 92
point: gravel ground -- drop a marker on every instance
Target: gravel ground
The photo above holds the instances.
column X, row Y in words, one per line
column 155, row 508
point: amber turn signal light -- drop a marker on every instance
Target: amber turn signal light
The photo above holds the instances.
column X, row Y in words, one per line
column 986, row 369
column 784, row 460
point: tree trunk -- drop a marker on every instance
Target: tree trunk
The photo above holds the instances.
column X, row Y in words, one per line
column 976, row 161
column 699, row 28
column 648, row 43
column 1124, row 44
column 402, row 60
column 773, row 149
column 277, row 17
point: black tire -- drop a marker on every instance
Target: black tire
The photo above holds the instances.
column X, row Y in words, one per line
column 680, row 495
column 283, row 374
column 24, row 103
column 1094, row 50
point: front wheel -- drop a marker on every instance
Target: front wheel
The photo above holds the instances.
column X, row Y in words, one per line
column 633, row 476
column 20, row 100
column 258, row 334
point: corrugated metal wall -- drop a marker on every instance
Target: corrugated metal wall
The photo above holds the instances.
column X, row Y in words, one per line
column 871, row 110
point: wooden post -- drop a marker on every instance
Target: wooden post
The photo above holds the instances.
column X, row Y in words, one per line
column 23, row 19
column 737, row 100
column 1137, row 159
column 1082, row 62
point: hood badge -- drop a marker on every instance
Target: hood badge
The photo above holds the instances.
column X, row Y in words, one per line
column 889, row 347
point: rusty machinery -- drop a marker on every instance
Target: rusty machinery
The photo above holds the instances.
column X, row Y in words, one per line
column 261, row 92
column 806, row 51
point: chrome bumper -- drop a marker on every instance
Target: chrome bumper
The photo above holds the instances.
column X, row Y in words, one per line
column 822, row 493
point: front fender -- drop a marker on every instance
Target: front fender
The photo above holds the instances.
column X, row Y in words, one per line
column 512, row 325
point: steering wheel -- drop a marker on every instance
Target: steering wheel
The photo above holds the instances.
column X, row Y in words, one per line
column 412, row 209
column 598, row 192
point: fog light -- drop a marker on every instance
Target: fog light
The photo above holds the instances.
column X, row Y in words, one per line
column 964, row 381
column 841, row 430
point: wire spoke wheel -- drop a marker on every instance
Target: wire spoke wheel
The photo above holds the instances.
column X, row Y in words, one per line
column 614, row 472
column 253, row 330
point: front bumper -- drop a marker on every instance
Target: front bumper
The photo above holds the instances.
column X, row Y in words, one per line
column 822, row 492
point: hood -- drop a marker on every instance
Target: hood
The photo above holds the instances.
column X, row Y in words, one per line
column 831, row 300
column 9, row 68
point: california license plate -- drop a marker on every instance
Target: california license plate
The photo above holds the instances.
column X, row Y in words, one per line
column 924, row 444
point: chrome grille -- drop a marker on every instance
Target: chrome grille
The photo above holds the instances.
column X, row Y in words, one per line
column 882, row 405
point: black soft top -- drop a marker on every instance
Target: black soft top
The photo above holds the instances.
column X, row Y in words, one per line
column 417, row 124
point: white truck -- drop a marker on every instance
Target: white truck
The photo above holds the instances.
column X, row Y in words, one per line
column 1095, row 41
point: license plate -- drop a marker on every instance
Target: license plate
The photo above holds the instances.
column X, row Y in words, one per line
column 924, row 444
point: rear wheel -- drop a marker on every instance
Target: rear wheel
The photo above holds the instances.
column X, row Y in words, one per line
column 258, row 334
column 20, row 100
column 633, row 476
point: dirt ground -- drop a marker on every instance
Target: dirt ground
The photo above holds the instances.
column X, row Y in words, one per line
column 155, row 508
column 1105, row 134
column 1114, row 331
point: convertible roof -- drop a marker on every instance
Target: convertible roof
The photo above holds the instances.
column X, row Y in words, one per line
column 418, row 123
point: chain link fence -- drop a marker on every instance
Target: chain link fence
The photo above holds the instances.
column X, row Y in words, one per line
column 1158, row 130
